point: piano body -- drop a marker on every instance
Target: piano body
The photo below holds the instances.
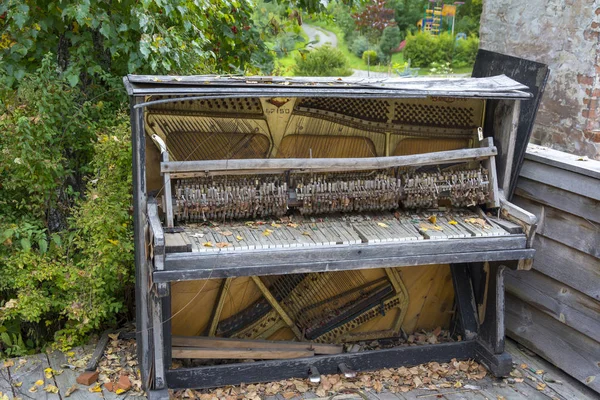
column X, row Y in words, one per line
column 278, row 220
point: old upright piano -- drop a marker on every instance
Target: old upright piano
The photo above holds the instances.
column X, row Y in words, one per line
column 279, row 220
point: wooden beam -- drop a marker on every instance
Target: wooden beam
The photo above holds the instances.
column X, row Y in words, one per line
column 239, row 354
column 273, row 165
column 219, row 306
column 275, row 304
column 228, row 343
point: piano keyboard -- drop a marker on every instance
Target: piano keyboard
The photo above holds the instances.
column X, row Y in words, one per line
column 369, row 229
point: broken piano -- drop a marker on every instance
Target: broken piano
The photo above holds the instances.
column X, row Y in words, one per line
column 281, row 222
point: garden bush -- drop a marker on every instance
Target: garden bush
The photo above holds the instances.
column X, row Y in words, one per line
column 66, row 245
column 369, row 57
column 323, row 61
column 465, row 51
column 359, row 45
column 423, row 49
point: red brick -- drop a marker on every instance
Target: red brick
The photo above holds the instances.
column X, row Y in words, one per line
column 585, row 80
column 124, row 383
column 109, row 386
column 88, row 377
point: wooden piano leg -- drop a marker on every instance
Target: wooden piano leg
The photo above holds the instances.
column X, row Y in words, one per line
column 489, row 292
column 466, row 311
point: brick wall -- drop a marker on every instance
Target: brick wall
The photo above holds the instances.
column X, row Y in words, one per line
column 565, row 34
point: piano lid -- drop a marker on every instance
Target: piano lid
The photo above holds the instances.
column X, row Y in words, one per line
column 495, row 87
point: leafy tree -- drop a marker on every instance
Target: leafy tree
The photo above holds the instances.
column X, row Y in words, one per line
column 93, row 37
column 390, row 40
column 468, row 16
column 406, row 14
column 374, row 18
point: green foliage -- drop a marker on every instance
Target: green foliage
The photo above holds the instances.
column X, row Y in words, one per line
column 92, row 37
column 468, row 16
column 440, row 68
column 406, row 15
column 323, row 61
column 420, row 49
column 369, row 57
column 360, row 45
column 66, row 259
column 466, row 51
column 390, row 40
column 423, row 49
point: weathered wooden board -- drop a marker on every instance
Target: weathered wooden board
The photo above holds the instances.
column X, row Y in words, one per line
column 28, row 374
column 573, row 231
column 569, row 202
column 557, row 300
column 555, row 308
column 560, row 178
column 565, row 264
column 563, row 346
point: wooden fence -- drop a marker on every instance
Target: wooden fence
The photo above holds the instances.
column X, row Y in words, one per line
column 554, row 309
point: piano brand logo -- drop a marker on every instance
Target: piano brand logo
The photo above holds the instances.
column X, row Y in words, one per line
column 278, row 101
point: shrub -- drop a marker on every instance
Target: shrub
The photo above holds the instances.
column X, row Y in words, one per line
column 465, row 51
column 420, row 49
column 423, row 49
column 67, row 258
column 359, row 45
column 323, row 61
column 369, row 57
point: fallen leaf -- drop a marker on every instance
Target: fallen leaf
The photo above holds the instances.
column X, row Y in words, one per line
column 223, row 244
column 9, row 363
column 519, row 380
column 120, row 391
column 275, row 225
column 207, row 244
column 238, row 237
column 539, row 372
column 48, row 373
column 95, row 389
column 51, row 389
column 458, row 384
column 39, row 382
column 113, row 336
column 292, row 225
column 452, row 222
column 381, row 224
column 18, row 384
column 71, row 390
column 590, row 379
column 524, row 366
column 541, row 387
column 305, row 233
column 584, row 158
column 226, row 233
column 378, row 386
column 289, row 395
column 33, row 389
column 432, row 219
column 267, row 232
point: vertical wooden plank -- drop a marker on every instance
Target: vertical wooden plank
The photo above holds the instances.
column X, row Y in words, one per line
column 506, row 120
column 139, row 226
column 492, row 328
column 465, row 301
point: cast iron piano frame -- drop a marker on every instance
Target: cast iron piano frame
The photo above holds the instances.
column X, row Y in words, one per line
column 470, row 261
